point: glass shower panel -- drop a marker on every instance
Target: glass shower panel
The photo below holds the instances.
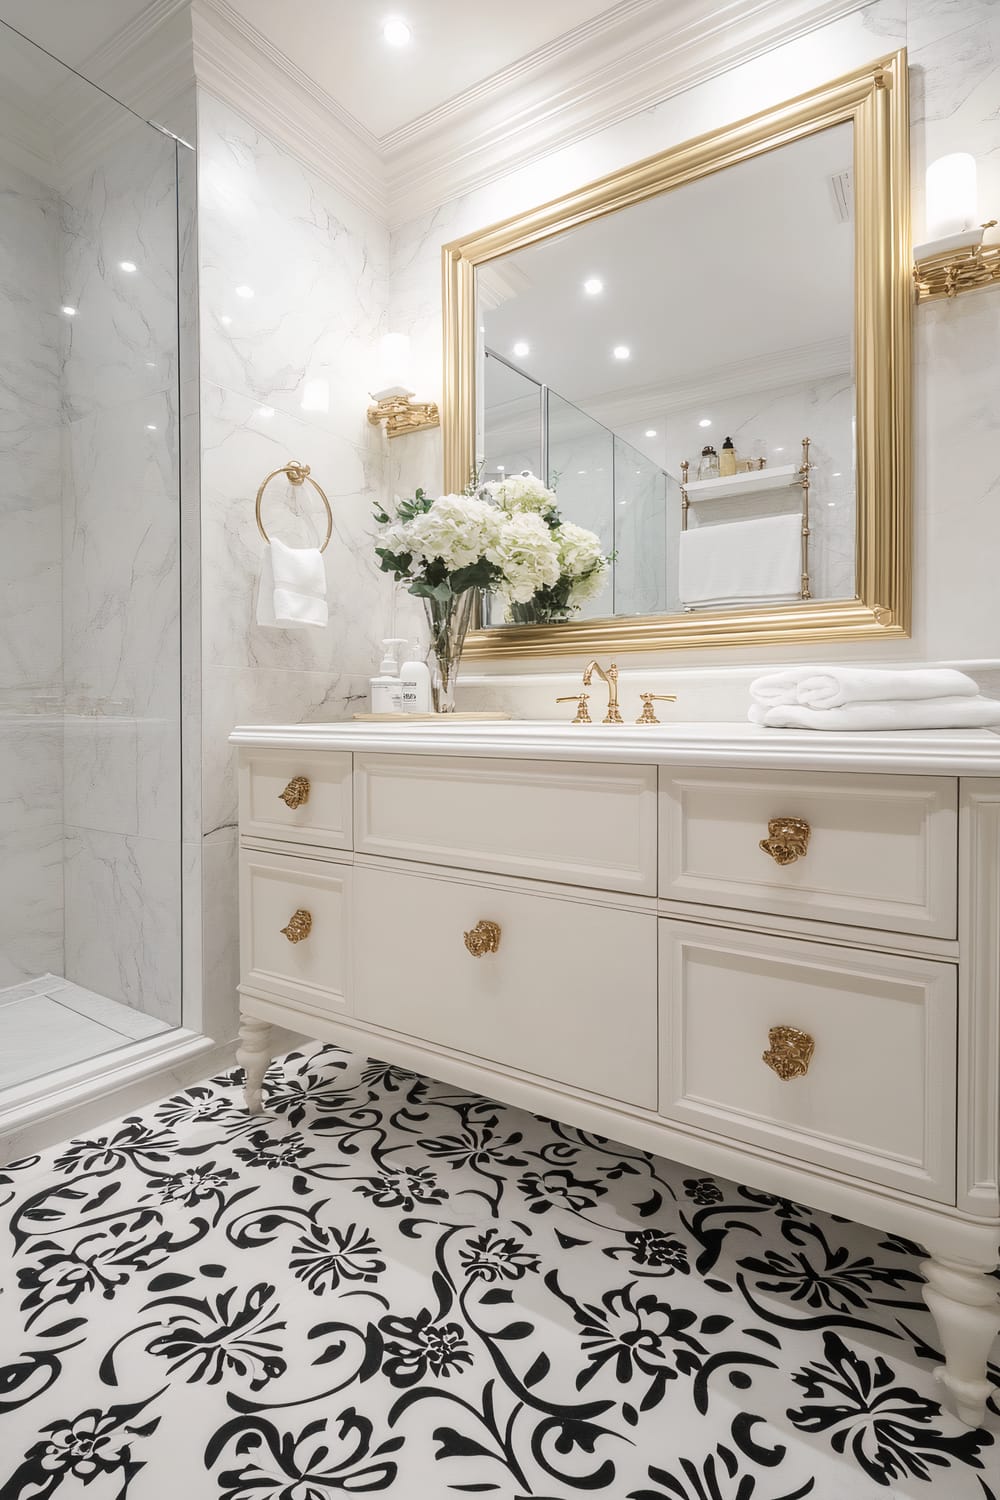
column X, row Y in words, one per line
column 90, row 897
column 513, row 421
column 647, row 517
column 581, row 467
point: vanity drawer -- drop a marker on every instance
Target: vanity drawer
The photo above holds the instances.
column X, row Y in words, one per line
column 878, row 1097
column 882, row 850
column 298, row 797
column 274, row 889
column 576, row 823
column 569, row 994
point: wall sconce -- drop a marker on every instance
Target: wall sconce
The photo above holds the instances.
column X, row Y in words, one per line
column 393, row 404
column 954, row 259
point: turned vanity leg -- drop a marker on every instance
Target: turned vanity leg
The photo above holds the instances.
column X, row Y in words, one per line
column 965, row 1304
column 253, row 1055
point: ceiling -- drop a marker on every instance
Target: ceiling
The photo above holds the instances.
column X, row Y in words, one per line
column 454, row 46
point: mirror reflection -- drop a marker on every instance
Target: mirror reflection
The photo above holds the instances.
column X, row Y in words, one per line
column 680, row 373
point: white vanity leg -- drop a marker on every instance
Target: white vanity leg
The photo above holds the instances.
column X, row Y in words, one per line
column 253, row 1055
column 965, row 1304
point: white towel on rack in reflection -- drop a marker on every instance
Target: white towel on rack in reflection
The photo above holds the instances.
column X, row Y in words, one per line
column 292, row 588
column 742, row 562
column 832, row 687
column 923, row 713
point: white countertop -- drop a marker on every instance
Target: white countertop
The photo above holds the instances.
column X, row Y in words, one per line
column 954, row 752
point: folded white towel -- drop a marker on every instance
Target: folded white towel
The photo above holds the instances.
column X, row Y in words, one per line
column 831, row 687
column 927, row 713
column 292, row 588
column 741, row 562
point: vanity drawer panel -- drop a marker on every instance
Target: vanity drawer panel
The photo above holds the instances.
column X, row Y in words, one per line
column 575, row 823
column 882, row 851
column 324, row 818
column 878, row 1098
column 273, row 888
column 569, row 995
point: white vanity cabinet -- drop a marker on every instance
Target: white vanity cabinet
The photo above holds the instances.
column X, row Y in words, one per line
column 771, row 955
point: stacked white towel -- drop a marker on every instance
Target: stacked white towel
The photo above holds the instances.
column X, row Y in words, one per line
column 860, row 698
column 292, row 589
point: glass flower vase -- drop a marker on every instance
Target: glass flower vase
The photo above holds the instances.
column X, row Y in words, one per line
column 448, row 621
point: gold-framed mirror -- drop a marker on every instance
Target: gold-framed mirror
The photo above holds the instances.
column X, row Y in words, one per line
column 759, row 274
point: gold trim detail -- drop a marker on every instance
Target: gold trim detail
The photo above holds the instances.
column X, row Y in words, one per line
column 954, row 271
column 296, row 793
column 875, row 101
column 296, row 474
column 400, row 415
column 484, row 938
column 787, row 840
column 299, row 926
column 789, row 1052
column 648, row 716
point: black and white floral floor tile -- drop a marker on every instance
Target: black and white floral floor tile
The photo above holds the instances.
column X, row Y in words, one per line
column 387, row 1285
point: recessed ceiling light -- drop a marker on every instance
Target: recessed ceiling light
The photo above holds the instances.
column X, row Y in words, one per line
column 621, row 351
column 650, row 431
column 150, row 426
column 70, row 312
column 396, row 32
column 705, row 422
column 225, row 318
column 581, row 471
column 779, row 450
column 593, row 286
column 127, row 265
column 521, row 349
column 244, row 291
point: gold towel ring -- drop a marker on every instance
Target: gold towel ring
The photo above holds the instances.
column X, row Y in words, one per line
column 297, row 474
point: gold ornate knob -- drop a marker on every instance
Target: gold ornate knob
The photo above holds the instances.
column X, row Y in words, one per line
column 299, row 926
column 648, row 716
column 296, row 793
column 582, row 711
column 787, row 840
column 484, row 938
column 790, row 1052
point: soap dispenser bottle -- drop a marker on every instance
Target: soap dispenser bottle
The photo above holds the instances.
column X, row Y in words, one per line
column 386, row 688
column 727, row 459
column 415, row 679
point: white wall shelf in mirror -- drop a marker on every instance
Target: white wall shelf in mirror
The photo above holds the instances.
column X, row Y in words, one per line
column 754, row 283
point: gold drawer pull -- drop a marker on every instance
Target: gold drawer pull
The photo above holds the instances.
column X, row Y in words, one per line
column 787, row 840
column 484, row 938
column 299, row 926
column 296, row 793
column 790, row 1052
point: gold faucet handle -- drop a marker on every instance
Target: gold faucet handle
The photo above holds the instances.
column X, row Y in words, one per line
column 648, row 699
column 582, row 712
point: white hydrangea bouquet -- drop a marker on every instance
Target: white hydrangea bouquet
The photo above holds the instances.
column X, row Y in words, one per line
column 508, row 540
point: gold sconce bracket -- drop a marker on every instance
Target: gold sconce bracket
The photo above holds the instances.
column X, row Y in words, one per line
column 400, row 414
column 965, row 269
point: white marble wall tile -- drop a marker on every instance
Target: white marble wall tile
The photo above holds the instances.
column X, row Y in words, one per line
column 123, row 933
column 30, row 299
column 30, row 559
column 99, row 765
column 123, row 341
column 315, row 263
column 121, row 590
column 31, row 892
column 242, row 442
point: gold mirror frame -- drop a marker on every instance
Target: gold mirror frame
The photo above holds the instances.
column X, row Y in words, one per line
column 875, row 100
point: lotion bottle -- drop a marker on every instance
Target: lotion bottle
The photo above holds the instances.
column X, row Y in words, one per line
column 386, row 688
column 727, row 459
column 415, row 680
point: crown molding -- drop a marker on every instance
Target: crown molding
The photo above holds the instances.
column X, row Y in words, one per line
column 585, row 81
column 236, row 64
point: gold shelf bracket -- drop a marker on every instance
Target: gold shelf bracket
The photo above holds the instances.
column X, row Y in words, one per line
column 400, row 415
column 967, row 269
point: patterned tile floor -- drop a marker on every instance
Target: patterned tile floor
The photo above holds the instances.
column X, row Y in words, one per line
column 388, row 1285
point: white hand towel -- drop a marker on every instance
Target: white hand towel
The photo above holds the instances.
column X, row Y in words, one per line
column 831, row 687
column 292, row 588
column 926, row 713
column 741, row 562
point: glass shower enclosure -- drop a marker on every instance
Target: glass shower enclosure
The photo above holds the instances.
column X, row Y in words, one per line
column 90, row 796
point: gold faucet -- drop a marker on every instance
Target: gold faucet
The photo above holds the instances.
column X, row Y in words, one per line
column 613, row 715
